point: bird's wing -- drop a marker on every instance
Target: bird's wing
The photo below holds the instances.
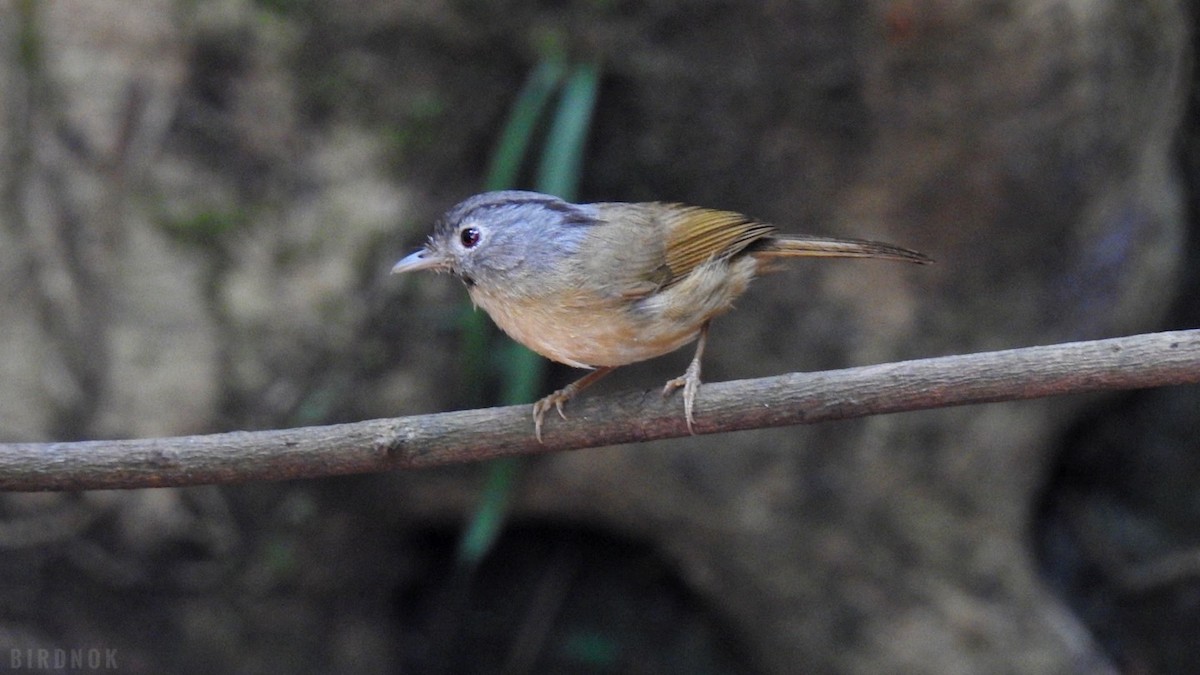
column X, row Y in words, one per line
column 694, row 235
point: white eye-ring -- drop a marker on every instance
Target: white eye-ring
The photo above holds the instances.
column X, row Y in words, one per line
column 470, row 236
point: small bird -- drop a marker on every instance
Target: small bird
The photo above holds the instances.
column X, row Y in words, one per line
column 603, row 285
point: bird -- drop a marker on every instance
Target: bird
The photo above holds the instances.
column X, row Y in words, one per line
column 602, row 285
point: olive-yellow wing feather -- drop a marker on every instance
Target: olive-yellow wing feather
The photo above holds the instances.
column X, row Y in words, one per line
column 695, row 235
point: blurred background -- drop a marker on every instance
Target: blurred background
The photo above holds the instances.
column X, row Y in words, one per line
column 201, row 201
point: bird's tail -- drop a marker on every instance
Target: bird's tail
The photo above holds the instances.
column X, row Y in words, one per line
column 789, row 246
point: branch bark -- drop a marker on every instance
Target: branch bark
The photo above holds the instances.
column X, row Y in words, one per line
column 1139, row 361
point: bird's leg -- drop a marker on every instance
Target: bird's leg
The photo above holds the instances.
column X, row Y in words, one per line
column 558, row 398
column 690, row 380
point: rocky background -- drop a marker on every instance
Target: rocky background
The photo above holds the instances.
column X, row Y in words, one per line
column 201, row 202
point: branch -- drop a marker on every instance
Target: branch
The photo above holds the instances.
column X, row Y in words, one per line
column 472, row 435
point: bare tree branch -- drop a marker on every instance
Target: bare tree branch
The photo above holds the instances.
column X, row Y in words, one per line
column 471, row 435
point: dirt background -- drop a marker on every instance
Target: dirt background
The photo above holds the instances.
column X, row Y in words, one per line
column 201, row 202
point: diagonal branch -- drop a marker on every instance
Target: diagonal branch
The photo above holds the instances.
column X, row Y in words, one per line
column 471, row 435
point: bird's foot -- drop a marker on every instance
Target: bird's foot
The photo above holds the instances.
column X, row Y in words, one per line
column 690, row 381
column 558, row 398
column 556, row 401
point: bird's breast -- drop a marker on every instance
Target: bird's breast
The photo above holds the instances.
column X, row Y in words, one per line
column 584, row 332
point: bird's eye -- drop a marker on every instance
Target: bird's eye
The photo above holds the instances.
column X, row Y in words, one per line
column 469, row 237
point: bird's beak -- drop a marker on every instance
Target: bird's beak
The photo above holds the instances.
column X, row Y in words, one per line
column 421, row 260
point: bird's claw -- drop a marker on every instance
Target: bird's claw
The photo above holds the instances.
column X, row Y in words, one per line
column 557, row 399
column 690, row 381
column 560, row 397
